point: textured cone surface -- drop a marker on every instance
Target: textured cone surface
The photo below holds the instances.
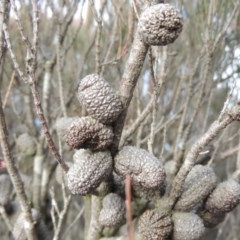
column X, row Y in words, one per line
column 154, row 225
column 160, row 24
column 211, row 220
column 26, row 144
column 145, row 169
column 88, row 171
column 6, row 188
column 113, row 210
column 187, row 226
column 224, row 198
column 198, row 185
column 41, row 229
column 99, row 99
column 87, row 132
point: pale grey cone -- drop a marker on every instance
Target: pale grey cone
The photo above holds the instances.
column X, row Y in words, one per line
column 145, row 170
column 160, row 24
column 187, row 226
column 88, row 171
column 198, row 185
column 26, row 144
column 99, row 99
column 224, row 198
column 113, row 210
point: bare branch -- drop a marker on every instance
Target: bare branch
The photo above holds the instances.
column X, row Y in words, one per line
column 129, row 79
column 15, row 176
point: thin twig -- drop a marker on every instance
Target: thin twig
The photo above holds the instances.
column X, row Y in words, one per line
column 46, row 89
column 15, row 176
column 98, row 18
column 31, row 65
column 45, row 128
column 62, row 214
column 229, row 97
column 5, row 146
column 35, row 22
column 154, row 109
column 60, row 72
column 185, row 109
column 163, row 143
column 162, row 124
column 134, row 126
column 6, row 218
column 8, row 90
column 19, row 24
column 135, row 8
column 73, row 223
column 130, row 226
column 37, row 177
column 12, row 54
column 224, row 29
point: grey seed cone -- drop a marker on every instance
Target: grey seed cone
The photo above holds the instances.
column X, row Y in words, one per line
column 99, row 99
column 26, row 144
column 113, row 210
column 154, row 224
column 88, row 171
column 41, row 229
column 145, row 169
column 160, row 24
column 6, row 188
column 87, row 132
column 211, row 220
column 224, row 198
column 198, row 185
column 187, row 226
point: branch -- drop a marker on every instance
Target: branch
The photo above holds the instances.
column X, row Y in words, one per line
column 62, row 214
column 129, row 79
column 60, row 71
column 15, row 176
column 44, row 126
column 94, row 230
column 19, row 25
column 137, row 122
column 130, row 226
column 31, row 67
column 224, row 29
column 8, row 159
column 12, row 55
